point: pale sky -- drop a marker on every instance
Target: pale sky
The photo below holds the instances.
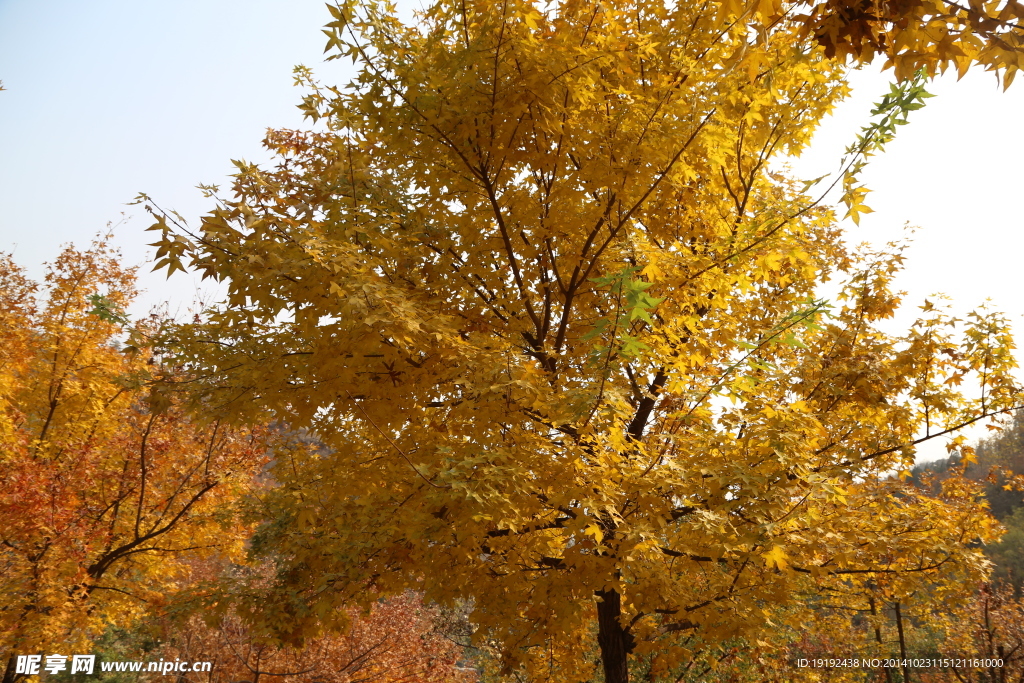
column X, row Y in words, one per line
column 108, row 98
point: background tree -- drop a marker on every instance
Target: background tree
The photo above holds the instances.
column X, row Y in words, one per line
column 107, row 488
column 988, row 627
column 396, row 640
column 540, row 294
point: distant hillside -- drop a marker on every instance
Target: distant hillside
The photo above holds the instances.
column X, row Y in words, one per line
column 1003, row 449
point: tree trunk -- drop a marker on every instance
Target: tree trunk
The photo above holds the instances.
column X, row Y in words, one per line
column 9, row 675
column 878, row 638
column 903, row 642
column 615, row 642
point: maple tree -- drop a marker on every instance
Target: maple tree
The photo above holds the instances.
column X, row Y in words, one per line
column 909, row 34
column 107, row 486
column 552, row 313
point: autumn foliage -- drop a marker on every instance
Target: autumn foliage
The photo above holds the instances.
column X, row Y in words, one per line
column 909, row 34
column 539, row 290
column 106, row 486
column 535, row 315
column 115, row 505
column 396, row 640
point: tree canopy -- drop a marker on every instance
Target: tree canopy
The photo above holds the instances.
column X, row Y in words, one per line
column 541, row 294
column 117, row 508
column 108, row 488
column 929, row 34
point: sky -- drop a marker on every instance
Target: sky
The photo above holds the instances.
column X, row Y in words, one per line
column 108, row 98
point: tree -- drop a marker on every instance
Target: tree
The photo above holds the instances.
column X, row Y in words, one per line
column 989, row 627
column 551, row 311
column 107, row 487
column 929, row 34
column 396, row 640
column 898, row 616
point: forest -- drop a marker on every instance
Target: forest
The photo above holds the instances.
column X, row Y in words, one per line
column 523, row 371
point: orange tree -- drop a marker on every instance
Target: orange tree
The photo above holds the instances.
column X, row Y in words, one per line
column 552, row 315
column 106, row 486
column 396, row 640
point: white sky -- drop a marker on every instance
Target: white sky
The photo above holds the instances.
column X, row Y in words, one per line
column 108, row 98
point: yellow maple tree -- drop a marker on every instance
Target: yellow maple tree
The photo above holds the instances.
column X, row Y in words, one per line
column 908, row 34
column 552, row 314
